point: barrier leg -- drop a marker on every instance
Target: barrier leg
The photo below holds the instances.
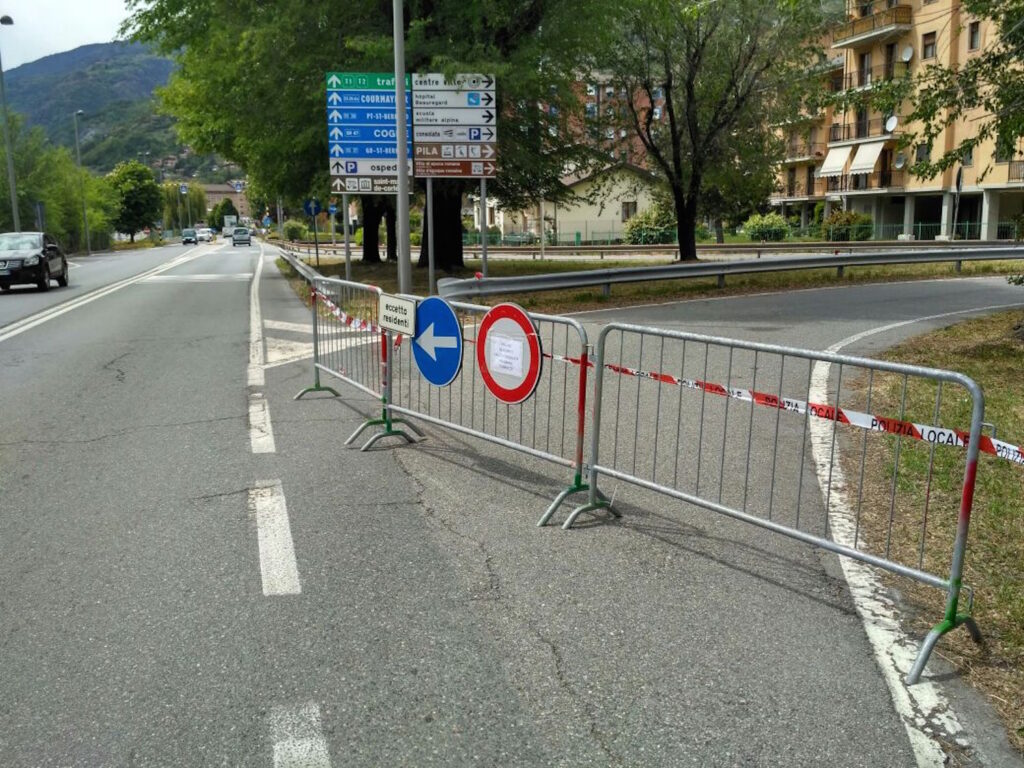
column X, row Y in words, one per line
column 317, row 387
column 385, row 420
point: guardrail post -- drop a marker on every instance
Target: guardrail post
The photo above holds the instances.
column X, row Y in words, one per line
column 606, row 289
column 839, row 270
column 958, row 266
column 721, row 280
column 385, row 419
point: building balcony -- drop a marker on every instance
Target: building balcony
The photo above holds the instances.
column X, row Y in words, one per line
column 802, row 151
column 866, row 78
column 1015, row 171
column 885, row 24
column 799, row 190
column 858, row 130
column 865, row 182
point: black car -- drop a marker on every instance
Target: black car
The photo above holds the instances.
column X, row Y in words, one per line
column 189, row 236
column 31, row 257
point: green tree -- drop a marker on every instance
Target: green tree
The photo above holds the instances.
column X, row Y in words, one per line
column 716, row 70
column 224, row 208
column 243, row 57
column 140, row 202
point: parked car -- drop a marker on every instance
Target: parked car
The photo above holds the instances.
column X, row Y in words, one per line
column 31, row 257
column 189, row 236
column 520, row 238
column 204, row 235
column 241, row 236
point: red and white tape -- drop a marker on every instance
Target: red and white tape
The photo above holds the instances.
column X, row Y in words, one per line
column 355, row 323
column 868, row 421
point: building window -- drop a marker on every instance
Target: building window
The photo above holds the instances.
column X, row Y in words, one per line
column 928, row 46
column 657, row 113
column 968, row 159
column 974, row 36
column 490, row 216
column 622, row 133
column 922, row 153
column 609, row 92
column 591, row 89
column 628, row 210
column 591, row 110
column 1002, row 154
column 865, row 8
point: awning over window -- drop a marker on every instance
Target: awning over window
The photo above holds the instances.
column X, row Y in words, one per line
column 834, row 162
column 866, row 157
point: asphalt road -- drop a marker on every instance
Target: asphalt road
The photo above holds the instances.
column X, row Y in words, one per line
column 187, row 583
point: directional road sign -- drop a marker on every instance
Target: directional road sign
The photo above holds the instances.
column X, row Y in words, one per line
column 312, row 207
column 454, row 123
column 266, row 221
column 362, row 138
column 238, row 186
column 437, row 348
column 332, row 209
column 508, row 353
column 183, row 189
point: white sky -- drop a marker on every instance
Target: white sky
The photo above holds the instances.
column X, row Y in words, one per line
column 42, row 27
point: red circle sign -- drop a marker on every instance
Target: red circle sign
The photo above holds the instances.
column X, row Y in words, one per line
column 508, row 353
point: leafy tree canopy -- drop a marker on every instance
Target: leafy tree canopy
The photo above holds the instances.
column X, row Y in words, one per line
column 139, row 198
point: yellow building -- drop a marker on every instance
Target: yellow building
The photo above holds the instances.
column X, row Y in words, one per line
column 852, row 159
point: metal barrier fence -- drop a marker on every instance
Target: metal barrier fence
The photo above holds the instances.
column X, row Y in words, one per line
column 755, row 431
column 546, row 425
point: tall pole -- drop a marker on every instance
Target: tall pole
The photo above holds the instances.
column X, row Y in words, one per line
column 81, row 181
column 7, row 21
column 483, row 226
column 430, row 236
column 348, row 242
column 280, row 221
column 402, row 214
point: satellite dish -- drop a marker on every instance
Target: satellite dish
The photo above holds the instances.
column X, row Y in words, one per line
column 907, row 53
column 901, row 160
column 890, row 123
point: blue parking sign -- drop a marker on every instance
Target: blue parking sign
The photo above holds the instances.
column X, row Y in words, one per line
column 437, row 348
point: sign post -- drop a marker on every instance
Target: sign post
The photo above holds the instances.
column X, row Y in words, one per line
column 348, row 244
column 332, row 209
column 430, row 236
column 402, row 215
column 312, row 208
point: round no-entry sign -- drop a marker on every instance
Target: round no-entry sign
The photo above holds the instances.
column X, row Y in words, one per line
column 508, row 353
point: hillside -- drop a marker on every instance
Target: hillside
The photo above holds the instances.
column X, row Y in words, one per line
column 113, row 84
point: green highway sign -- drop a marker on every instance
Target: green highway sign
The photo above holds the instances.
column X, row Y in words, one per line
column 364, row 81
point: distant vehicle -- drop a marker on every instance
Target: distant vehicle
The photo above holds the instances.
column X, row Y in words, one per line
column 241, row 236
column 204, row 235
column 31, row 257
column 226, row 232
column 189, row 236
column 520, row 238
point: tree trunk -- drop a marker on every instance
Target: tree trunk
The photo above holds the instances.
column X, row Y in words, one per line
column 391, row 222
column 131, row 237
column 686, row 224
column 373, row 211
column 448, row 227
column 719, row 231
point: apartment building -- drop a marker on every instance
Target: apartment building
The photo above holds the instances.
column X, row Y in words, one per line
column 853, row 159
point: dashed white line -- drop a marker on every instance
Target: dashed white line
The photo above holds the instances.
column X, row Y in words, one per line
column 261, row 431
column 208, row 278
column 297, row 735
column 923, row 708
column 278, row 566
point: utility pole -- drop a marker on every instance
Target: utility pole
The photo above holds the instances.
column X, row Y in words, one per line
column 81, row 180
column 7, row 21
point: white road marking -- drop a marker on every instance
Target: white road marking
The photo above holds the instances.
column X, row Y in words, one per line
column 280, row 325
column 297, row 734
column 28, row 323
column 923, row 708
column 261, row 432
column 255, row 371
column 213, row 278
column 278, row 567
column 284, row 350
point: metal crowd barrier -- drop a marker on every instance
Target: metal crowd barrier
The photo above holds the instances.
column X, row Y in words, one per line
column 759, row 433
column 545, row 426
column 835, row 451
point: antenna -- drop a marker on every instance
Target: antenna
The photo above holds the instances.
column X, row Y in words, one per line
column 890, row 123
column 907, row 53
column 901, row 160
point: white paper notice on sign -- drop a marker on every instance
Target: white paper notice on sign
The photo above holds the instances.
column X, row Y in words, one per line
column 506, row 356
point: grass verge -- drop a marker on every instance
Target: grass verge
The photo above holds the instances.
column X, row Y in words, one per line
column 991, row 352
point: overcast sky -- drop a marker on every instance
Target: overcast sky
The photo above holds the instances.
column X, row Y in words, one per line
column 42, row 27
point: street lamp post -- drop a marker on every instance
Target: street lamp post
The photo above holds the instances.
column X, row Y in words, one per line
column 81, row 181
column 7, row 21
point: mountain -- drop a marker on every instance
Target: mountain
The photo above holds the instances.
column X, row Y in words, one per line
column 113, row 84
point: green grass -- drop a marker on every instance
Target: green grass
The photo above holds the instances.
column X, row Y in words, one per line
column 990, row 352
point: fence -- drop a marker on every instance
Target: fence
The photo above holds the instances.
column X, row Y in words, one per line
column 851, row 455
column 725, row 425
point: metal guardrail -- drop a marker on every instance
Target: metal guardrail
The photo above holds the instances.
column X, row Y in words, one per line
column 454, row 288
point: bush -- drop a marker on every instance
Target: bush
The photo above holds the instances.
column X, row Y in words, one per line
column 416, row 238
column 295, row 230
column 770, row 227
column 703, row 233
column 654, row 225
column 357, row 238
column 842, row 226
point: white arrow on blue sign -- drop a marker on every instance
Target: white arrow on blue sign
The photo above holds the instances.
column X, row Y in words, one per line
column 437, row 348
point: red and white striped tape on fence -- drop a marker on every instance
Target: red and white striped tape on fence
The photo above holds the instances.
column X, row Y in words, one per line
column 868, row 421
column 355, row 323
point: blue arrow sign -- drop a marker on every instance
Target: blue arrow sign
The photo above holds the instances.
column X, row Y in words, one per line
column 371, row 151
column 266, row 221
column 332, row 209
column 312, row 207
column 364, row 99
column 364, row 116
column 183, row 189
column 437, row 348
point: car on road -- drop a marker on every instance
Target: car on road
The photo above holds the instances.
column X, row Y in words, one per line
column 31, row 257
column 241, row 236
column 189, row 236
column 204, row 235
